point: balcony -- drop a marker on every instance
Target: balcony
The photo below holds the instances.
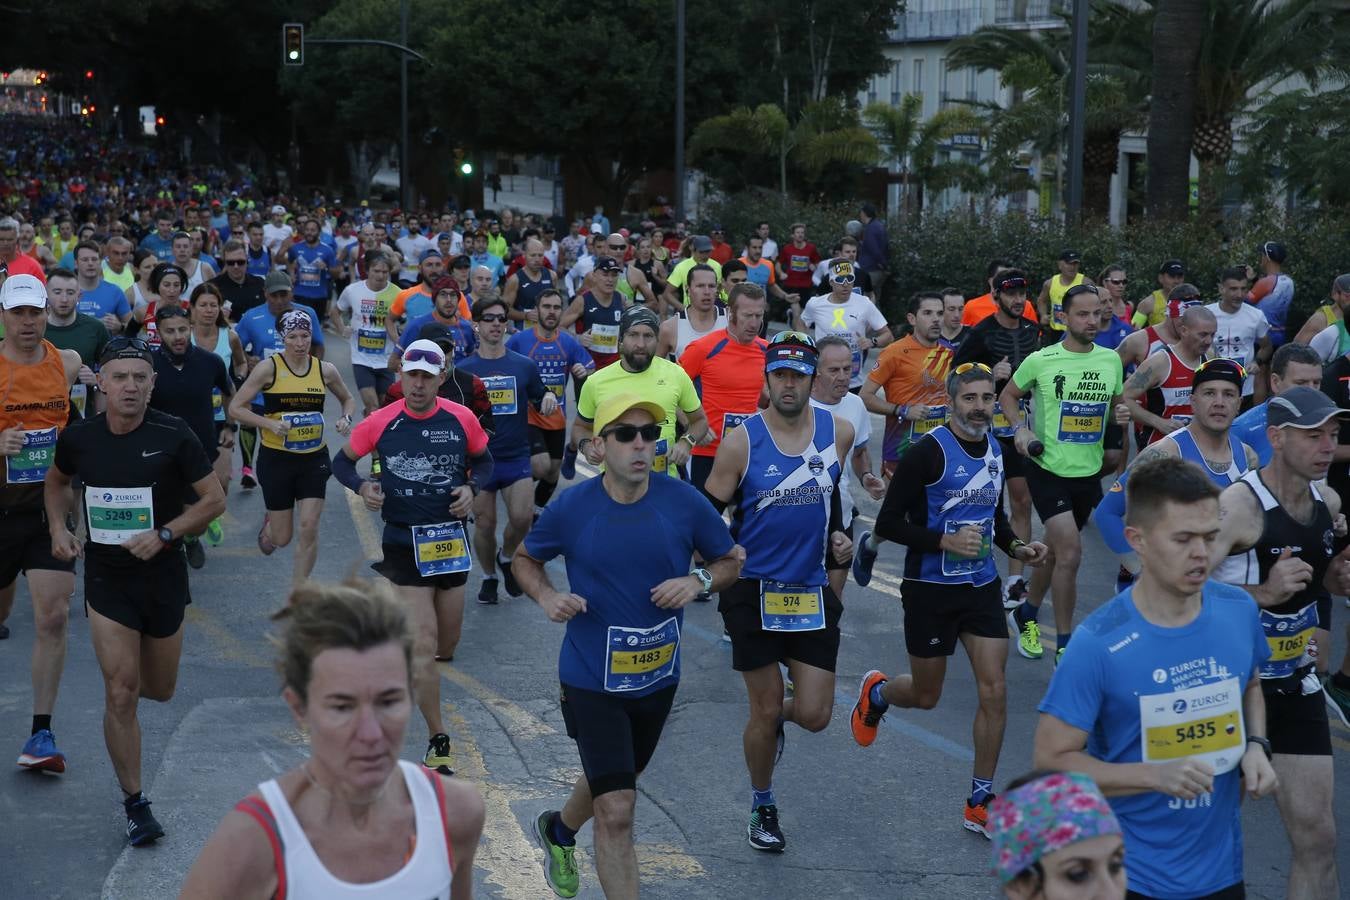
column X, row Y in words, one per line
column 1034, row 13
column 938, row 20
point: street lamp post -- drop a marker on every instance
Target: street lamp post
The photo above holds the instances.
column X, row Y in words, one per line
column 679, row 110
column 1077, row 109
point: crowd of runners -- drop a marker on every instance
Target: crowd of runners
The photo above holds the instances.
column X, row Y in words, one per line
column 163, row 345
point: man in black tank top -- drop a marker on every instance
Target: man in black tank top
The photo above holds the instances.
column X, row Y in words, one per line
column 1281, row 533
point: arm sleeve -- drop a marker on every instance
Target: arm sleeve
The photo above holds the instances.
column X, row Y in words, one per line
column 586, row 400
column 1110, row 517
column 693, row 358
column 1262, row 326
column 121, row 307
column 883, row 370
column 577, row 353
column 400, row 303
column 64, row 458
column 917, row 467
column 344, row 470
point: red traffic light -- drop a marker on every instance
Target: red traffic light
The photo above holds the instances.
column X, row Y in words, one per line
column 89, row 74
column 159, row 120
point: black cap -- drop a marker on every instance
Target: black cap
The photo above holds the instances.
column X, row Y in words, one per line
column 1069, row 256
column 461, row 262
column 1302, row 407
column 607, row 264
column 438, row 334
column 1174, row 267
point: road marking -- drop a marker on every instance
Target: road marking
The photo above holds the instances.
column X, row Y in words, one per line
column 365, row 529
column 520, row 723
column 225, row 640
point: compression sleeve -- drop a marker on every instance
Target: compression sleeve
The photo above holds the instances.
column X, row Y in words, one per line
column 1110, row 518
column 1003, row 531
column 344, row 470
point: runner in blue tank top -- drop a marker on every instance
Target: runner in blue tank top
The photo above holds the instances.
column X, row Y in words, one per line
column 945, row 504
column 783, row 468
column 1208, row 441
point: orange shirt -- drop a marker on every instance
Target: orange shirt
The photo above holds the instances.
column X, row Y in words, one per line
column 38, row 401
column 729, row 377
column 400, row 303
column 980, row 308
column 910, row 373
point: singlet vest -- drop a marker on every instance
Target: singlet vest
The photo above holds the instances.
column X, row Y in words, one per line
column 194, row 279
column 302, row 875
column 37, row 396
column 783, row 516
column 1159, row 311
column 1190, row 452
column 1057, row 292
column 297, row 399
column 527, row 291
column 966, row 494
column 686, row 334
column 1172, row 398
column 603, row 324
column 1288, row 625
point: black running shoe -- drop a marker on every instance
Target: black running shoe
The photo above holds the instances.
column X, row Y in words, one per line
column 142, row 828
column 196, row 553
column 763, row 830
column 512, row 586
column 487, row 593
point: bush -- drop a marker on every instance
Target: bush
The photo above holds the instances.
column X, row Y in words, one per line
column 955, row 248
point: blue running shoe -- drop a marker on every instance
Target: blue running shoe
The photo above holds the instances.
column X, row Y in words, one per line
column 863, row 560
column 569, row 462
column 40, row 754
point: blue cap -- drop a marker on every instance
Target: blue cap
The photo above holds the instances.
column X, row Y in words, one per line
column 428, row 254
column 797, row 357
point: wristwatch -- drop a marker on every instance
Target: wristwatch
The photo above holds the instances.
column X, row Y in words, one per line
column 1262, row 743
column 704, row 577
column 165, row 535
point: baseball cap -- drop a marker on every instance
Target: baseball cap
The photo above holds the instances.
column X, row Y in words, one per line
column 428, row 254
column 1174, row 267
column 615, row 406
column 23, row 290
column 702, row 243
column 461, row 262
column 279, row 209
column 1220, row 368
column 596, row 229
column 276, row 282
column 842, row 272
column 1302, row 407
column 607, row 264
column 1275, row 251
column 791, row 350
column 1069, row 256
column 424, row 356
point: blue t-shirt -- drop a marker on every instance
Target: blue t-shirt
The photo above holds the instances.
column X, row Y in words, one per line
column 161, row 247
column 104, row 299
column 554, row 358
column 1250, row 427
column 580, row 525
column 492, row 261
column 311, row 279
column 513, row 384
column 1119, row 668
column 1110, row 338
column 466, row 339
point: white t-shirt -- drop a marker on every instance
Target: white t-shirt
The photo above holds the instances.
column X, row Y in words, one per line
column 851, row 410
column 1236, row 335
column 369, row 341
column 274, row 237
column 1327, row 343
column 411, row 248
column 851, row 320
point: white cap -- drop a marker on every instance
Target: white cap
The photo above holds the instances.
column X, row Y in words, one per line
column 596, row 229
column 416, row 348
column 279, row 209
column 23, row 290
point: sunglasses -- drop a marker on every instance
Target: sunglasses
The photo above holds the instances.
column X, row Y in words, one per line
column 966, row 367
column 170, row 312
column 793, row 337
column 843, row 279
column 626, row 434
column 236, row 262
column 1012, row 284
column 412, row 356
column 122, row 343
column 1222, row 362
column 493, row 317
column 1120, row 281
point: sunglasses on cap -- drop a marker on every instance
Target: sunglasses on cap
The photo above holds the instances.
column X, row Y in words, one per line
column 118, row 344
column 626, row 434
column 428, row 356
column 1079, row 289
column 1219, row 363
column 793, row 337
column 170, row 312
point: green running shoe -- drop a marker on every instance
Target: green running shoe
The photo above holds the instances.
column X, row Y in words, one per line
column 214, row 533
column 1028, row 636
column 560, row 863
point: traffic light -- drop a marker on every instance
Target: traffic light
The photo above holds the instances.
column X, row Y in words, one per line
column 88, row 74
column 293, row 44
column 159, row 121
column 462, row 164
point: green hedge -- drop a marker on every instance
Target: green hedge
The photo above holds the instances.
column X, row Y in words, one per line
column 955, row 248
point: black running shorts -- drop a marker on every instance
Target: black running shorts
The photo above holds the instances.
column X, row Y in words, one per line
column 616, row 735
column 400, row 567
column 149, row 597
column 937, row 614
column 1053, row 494
column 26, row 544
column 288, row 477
column 1297, row 724
column 754, row 648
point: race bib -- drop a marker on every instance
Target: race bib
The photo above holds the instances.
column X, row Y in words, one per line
column 305, row 431
column 502, row 392
column 790, row 607
column 956, row 565
column 309, row 273
column 371, row 340
column 1203, row 722
column 440, row 549
column 636, row 658
column 1002, row 427
column 731, row 420
column 217, row 405
column 1288, row 637
column 30, row 464
column 79, row 398
column 605, row 338
column 118, row 514
column 661, row 458
column 1081, row 423
column 936, row 416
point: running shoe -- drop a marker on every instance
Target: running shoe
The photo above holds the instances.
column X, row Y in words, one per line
column 196, row 553
column 763, row 830
column 265, row 540
column 1338, row 700
column 512, row 586
column 246, row 479
column 866, row 717
column 1014, row 593
column 569, row 463
column 726, row 636
column 1059, row 655
column 1028, row 636
column 40, row 753
column 438, row 754
column 142, row 828
column 4, row 631
column 863, row 560
column 214, row 533
column 560, row 863
column 487, row 593
column 977, row 816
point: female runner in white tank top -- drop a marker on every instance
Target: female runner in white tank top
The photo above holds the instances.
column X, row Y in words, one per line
column 352, row 821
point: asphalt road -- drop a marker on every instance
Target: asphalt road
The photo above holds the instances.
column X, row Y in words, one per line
column 878, row 822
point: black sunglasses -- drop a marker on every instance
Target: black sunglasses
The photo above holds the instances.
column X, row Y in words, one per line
column 236, row 262
column 493, row 317
column 626, row 434
column 122, row 343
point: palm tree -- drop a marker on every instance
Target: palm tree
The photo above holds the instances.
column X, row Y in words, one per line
column 915, row 144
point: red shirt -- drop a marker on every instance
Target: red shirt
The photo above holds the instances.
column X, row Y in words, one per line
column 729, row 377
column 23, row 264
column 721, row 252
column 798, row 263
